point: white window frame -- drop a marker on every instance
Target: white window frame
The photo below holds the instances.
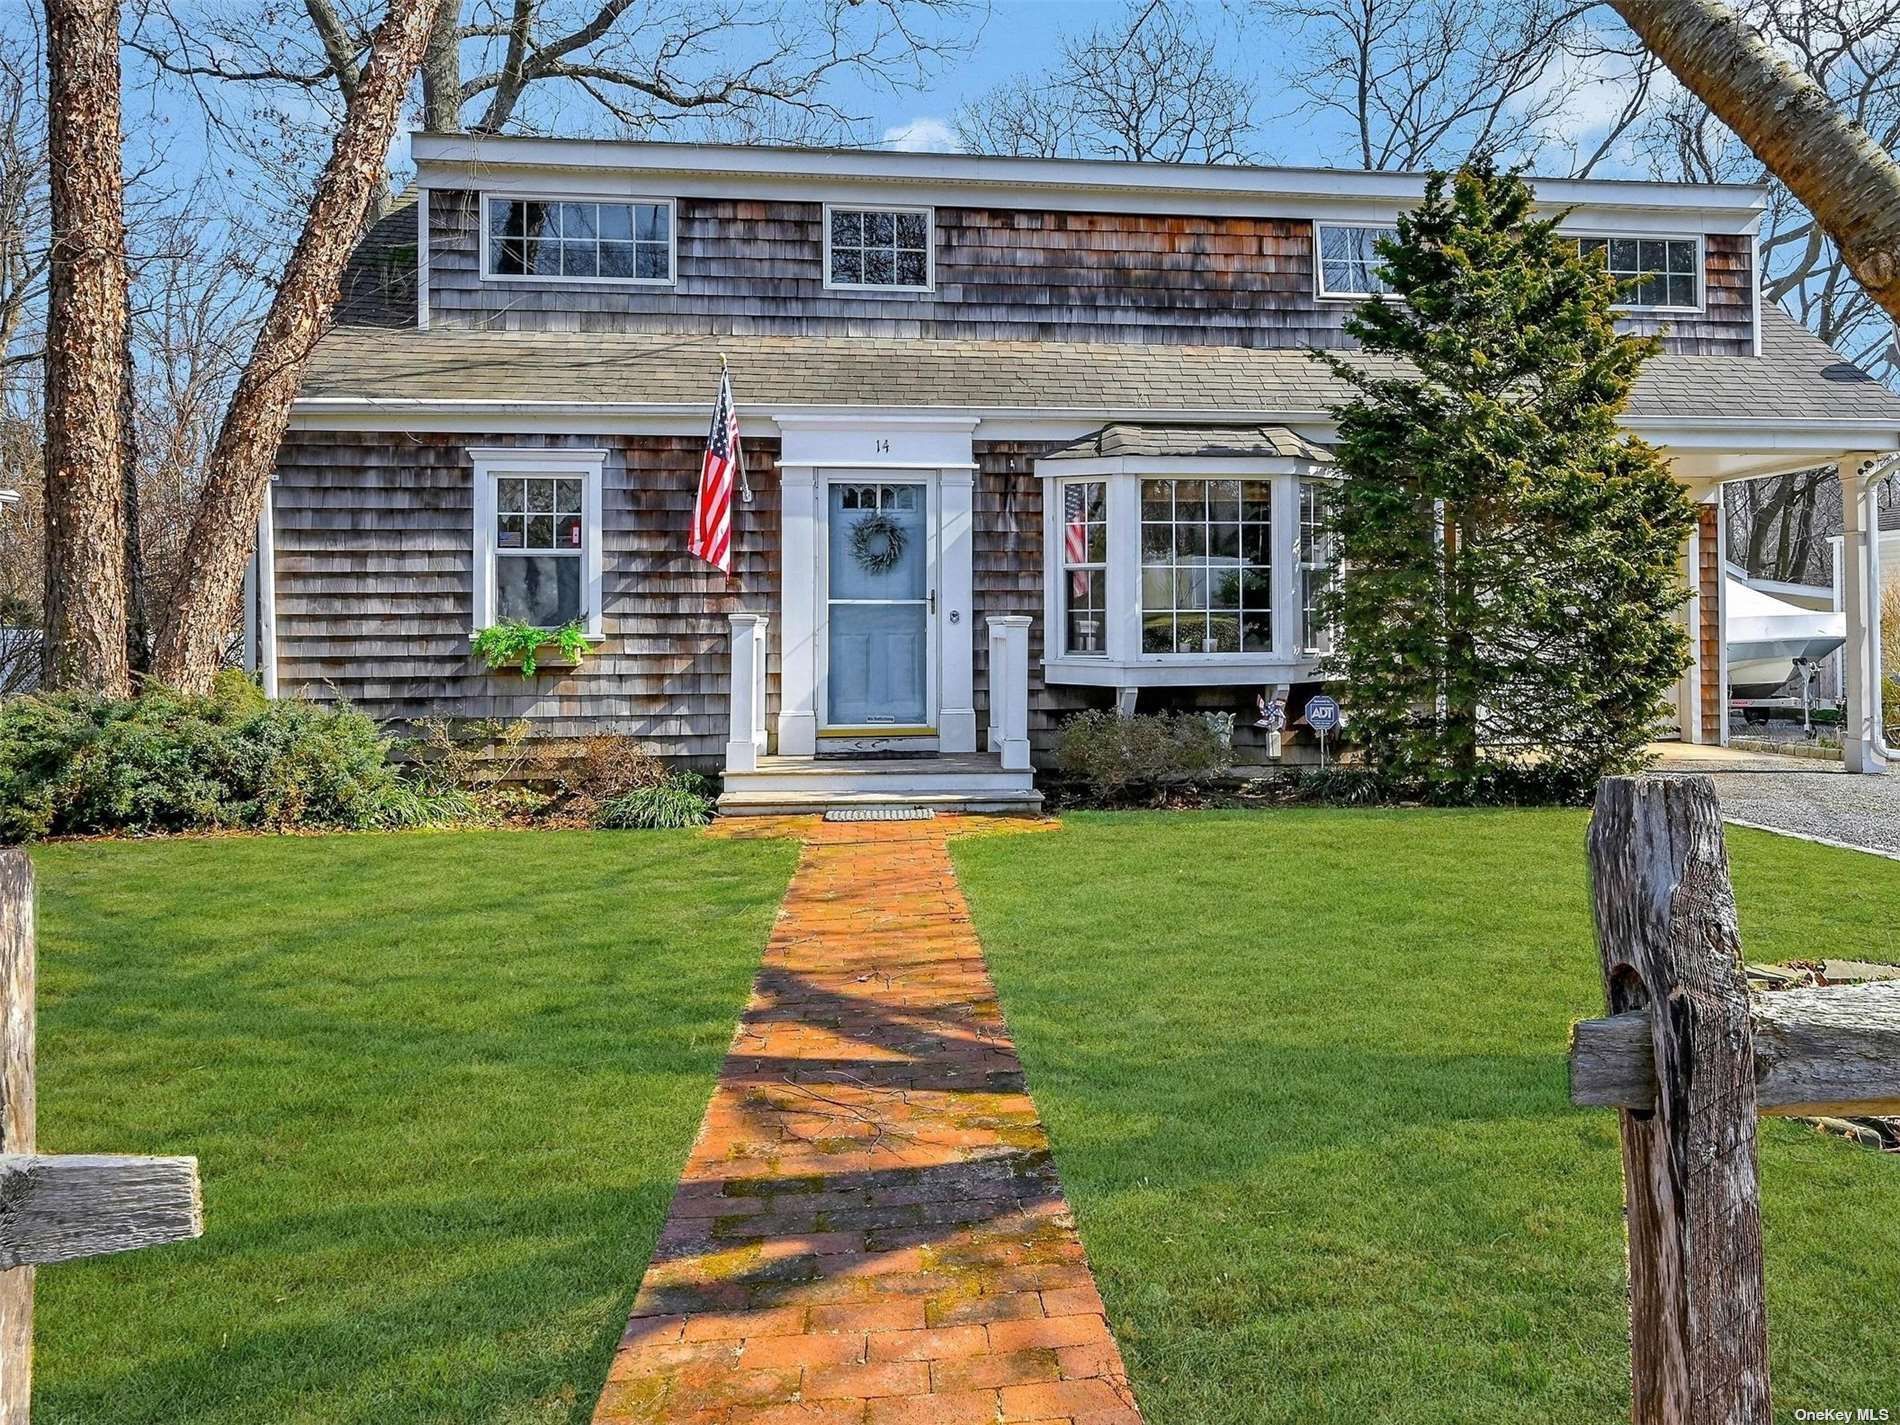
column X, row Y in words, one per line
column 1125, row 664
column 1629, row 235
column 930, row 248
column 599, row 200
column 1320, row 290
column 1065, row 568
column 494, row 463
column 1322, row 645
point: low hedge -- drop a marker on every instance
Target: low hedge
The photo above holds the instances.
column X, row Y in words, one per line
column 72, row 765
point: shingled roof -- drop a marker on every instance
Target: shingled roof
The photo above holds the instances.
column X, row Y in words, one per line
column 376, row 352
column 1124, row 438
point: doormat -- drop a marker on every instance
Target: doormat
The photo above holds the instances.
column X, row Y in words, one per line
column 880, row 814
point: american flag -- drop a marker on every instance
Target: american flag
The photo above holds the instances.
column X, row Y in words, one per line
column 711, row 538
column 1075, row 536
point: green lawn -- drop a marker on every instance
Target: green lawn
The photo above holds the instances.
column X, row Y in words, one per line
column 440, row 1088
column 1304, row 1076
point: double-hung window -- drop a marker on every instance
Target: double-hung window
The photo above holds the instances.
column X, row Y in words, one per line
column 1206, row 566
column 1317, row 566
column 1084, row 568
column 1655, row 272
column 537, row 537
column 1349, row 261
column 878, row 247
column 578, row 239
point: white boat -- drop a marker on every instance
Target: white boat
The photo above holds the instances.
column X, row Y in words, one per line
column 1766, row 634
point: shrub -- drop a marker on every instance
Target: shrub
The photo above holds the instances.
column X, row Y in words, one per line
column 72, row 764
column 678, row 799
column 599, row 768
column 1547, row 784
column 1116, row 756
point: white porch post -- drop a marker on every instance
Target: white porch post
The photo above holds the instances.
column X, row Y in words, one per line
column 745, row 727
column 267, row 592
column 1009, row 689
column 1860, row 584
column 956, row 725
column 798, row 602
column 1689, row 689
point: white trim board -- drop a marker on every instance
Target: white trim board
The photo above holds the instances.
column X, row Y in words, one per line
column 846, row 175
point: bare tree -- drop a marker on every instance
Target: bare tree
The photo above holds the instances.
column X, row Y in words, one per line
column 1829, row 160
column 84, row 623
column 1426, row 83
column 211, row 567
column 1150, row 87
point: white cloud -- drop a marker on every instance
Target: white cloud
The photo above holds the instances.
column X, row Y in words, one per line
column 924, row 134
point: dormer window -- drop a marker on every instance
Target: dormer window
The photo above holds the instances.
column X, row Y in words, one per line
column 577, row 240
column 1657, row 273
column 882, row 248
column 1348, row 261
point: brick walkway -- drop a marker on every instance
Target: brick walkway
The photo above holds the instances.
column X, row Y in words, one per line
column 869, row 1229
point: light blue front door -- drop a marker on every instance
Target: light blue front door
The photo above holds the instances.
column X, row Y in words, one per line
column 878, row 604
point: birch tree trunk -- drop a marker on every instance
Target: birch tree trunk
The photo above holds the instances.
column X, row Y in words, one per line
column 211, row 571
column 85, row 634
column 1842, row 176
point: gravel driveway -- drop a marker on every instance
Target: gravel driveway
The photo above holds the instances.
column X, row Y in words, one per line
column 1806, row 797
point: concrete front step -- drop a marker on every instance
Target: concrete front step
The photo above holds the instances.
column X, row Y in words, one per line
column 969, row 782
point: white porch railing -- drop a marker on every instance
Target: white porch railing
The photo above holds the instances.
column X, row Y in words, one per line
column 745, row 729
column 1009, row 690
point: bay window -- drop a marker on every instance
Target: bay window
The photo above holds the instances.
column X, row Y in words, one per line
column 537, row 537
column 1164, row 570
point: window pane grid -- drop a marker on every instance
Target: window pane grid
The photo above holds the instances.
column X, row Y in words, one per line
column 538, row 515
column 1207, row 566
column 1349, row 262
column 611, row 241
column 1656, row 272
column 879, row 247
column 1085, row 568
column 1316, row 566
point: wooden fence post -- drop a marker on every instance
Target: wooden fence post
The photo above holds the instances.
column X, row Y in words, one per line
column 56, row 1208
column 17, row 1117
column 1666, row 928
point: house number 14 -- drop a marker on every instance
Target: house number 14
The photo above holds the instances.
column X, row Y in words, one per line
column 883, row 446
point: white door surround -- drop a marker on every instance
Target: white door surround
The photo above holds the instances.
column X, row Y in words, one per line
column 937, row 450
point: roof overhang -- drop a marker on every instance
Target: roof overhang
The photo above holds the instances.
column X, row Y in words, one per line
column 607, row 167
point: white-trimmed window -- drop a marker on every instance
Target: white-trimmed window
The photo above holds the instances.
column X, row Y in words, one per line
column 1657, row 272
column 537, row 537
column 1317, row 565
column 882, row 248
column 1084, row 568
column 1206, row 566
column 578, row 240
column 1348, row 261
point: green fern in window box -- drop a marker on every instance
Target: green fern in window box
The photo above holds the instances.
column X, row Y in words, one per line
column 516, row 642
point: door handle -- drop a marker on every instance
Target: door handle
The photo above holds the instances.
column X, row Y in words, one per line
column 933, row 601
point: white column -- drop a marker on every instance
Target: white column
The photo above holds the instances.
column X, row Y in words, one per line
column 745, row 725
column 956, row 621
column 1860, row 588
column 1721, row 613
column 798, row 607
column 1689, row 688
column 267, row 594
column 1009, row 688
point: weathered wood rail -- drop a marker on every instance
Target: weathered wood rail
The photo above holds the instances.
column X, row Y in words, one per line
column 1689, row 1059
column 57, row 1208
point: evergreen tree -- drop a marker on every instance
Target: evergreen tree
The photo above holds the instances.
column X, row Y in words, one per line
column 1510, row 556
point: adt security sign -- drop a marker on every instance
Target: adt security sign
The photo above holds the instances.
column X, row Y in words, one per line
column 1322, row 713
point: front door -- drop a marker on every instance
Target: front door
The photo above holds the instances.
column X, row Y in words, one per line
column 879, row 598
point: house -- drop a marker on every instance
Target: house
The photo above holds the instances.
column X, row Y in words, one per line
column 1023, row 436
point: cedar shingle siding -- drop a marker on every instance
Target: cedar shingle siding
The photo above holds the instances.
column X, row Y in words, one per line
column 374, row 588
column 748, row 267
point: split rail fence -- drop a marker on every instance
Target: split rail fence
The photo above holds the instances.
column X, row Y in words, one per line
column 56, row 1208
column 1689, row 1058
